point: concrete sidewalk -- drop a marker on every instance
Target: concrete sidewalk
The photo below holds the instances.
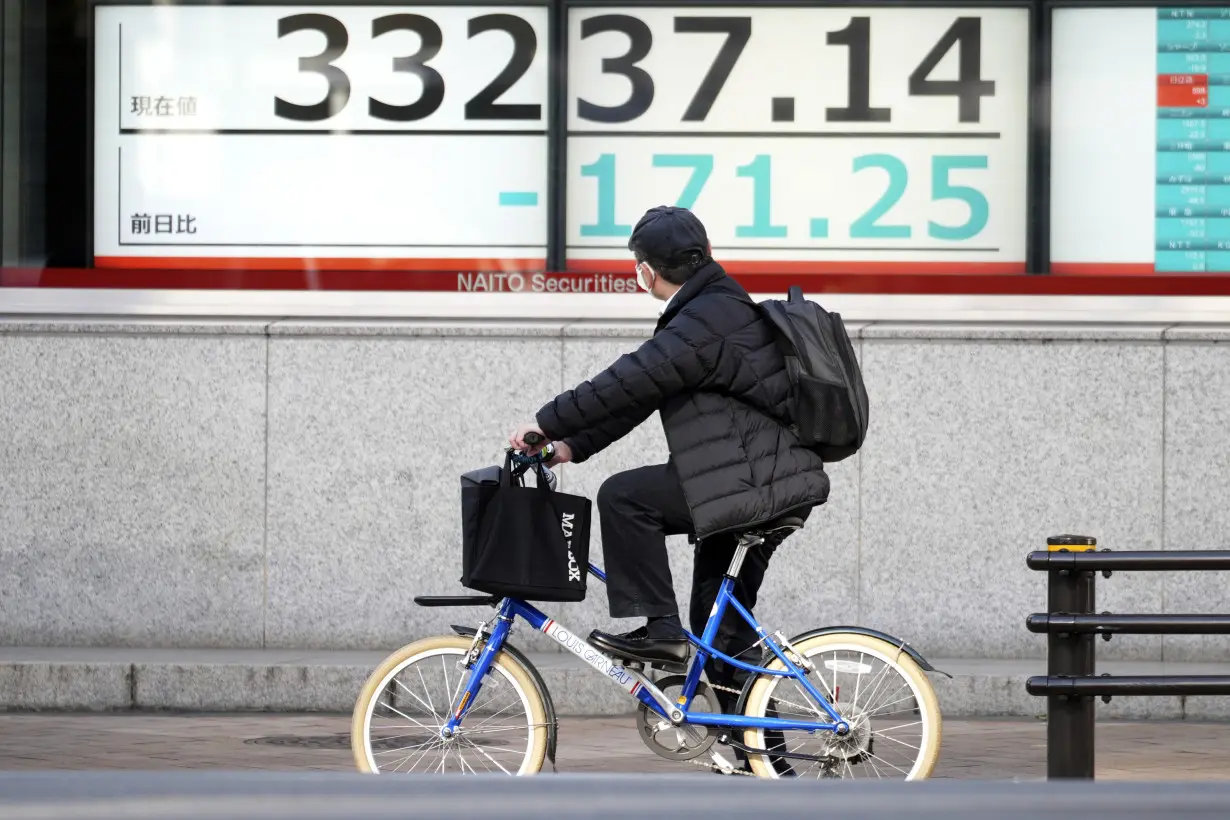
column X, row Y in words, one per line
column 232, row 680
column 1001, row 749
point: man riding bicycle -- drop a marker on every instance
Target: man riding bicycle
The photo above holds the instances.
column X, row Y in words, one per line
column 719, row 382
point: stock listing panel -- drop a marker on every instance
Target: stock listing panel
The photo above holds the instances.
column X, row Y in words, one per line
column 418, row 138
column 805, row 138
column 1140, row 158
column 346, row 137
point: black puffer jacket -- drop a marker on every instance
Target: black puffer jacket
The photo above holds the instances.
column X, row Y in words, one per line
column 713, row 371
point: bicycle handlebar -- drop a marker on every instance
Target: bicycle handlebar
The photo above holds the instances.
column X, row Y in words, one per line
column 525, row 460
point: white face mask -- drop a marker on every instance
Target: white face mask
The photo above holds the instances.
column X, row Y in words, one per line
column 645, row 281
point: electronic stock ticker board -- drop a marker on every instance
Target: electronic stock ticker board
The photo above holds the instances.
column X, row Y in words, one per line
column 415, row 138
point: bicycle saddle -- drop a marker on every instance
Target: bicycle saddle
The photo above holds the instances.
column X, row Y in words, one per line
column 777, row 529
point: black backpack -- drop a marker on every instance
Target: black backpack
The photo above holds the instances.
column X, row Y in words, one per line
column 829, row 401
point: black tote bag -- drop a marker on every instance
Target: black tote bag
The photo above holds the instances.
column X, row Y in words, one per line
column 523, row 542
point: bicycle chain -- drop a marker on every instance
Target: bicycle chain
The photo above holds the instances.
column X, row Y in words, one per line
column 713, row 766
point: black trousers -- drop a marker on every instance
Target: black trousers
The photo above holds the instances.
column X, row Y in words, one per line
column 638, row 509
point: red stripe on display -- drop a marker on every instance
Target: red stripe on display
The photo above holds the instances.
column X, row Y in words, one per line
column 1071, row 279
column 1101, row 268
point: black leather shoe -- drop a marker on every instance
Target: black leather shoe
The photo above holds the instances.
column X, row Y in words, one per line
column 668, row 654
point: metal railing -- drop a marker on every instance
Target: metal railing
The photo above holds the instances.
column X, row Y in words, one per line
column 1071, row 683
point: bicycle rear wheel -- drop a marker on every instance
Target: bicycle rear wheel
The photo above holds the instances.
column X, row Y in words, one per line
column 895, row 722
column 395, row 727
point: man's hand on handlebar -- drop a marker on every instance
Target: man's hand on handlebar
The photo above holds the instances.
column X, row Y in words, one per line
column 529, row 438
column 563, row 454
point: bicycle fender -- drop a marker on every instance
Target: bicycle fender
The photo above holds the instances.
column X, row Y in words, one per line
column 873, row 633
column 913, row 653
column 539, row 684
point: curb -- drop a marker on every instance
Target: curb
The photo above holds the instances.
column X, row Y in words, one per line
column 267, row 681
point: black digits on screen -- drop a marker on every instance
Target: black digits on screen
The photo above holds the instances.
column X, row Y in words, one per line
column 525, row 45
column 431, row 38
column 640, row 40
column 965, row 34
column 969, row 88
column 483, row 106
column 857, row 38
column 738, row 31
column 336, row 40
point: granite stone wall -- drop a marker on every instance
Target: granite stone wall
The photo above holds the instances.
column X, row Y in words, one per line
column 293, row 484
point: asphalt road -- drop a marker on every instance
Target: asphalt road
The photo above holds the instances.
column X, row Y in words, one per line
column 971, row 750
column 244, row 767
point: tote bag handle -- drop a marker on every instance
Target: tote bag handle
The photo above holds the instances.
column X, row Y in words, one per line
column 506, row 475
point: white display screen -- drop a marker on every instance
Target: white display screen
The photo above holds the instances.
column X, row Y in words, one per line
column 806, row 139
column 397, row 137
column 1140, row 140
column 414, row 138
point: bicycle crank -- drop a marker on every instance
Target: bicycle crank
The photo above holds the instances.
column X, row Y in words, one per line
column 685, row 742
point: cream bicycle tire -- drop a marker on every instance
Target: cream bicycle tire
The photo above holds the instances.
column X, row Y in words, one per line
column 503, row 664
column 759, row 695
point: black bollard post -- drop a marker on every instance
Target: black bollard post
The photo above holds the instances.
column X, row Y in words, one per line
column 1070, row 720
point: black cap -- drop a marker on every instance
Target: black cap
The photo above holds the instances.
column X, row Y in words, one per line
column 670, row 236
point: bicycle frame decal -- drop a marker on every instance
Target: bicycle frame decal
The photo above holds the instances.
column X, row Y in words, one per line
column 595, row 658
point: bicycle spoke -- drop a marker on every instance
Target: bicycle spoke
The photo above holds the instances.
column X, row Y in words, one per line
column 875, row 769
column 401, row 749
column 387, row 738
column 480, row 731
column 820, row 676
column 486, row 768
column 811, row 764
column 516, row 700
column 495, row 750
column 483, row 752
column 869, row 710
column 858, row 679
column 393, row 708
column 873, row 756
column 895, row 740
column 420, row 757
column 908, row 696
column 426, row 692
column 412, row 720
column 878, row 681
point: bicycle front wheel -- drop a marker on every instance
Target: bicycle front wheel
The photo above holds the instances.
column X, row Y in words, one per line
column 894, row 718
column 407, row 700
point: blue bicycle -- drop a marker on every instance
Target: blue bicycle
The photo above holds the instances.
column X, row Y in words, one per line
column 836, row 702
